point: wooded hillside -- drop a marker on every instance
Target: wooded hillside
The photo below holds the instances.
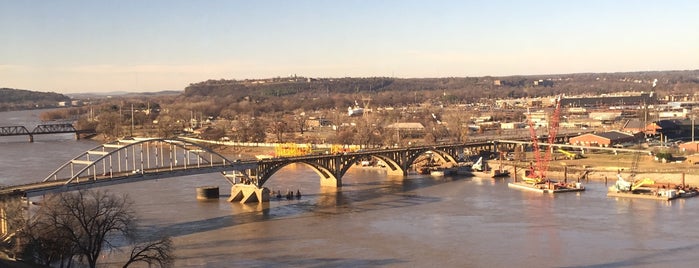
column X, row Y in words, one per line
column 19, row 99
column 229, row 97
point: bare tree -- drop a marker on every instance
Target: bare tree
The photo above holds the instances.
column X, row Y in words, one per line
column 87, row 219
column 279, row 128
column 367, row 134
column 79, row 226
column 167, row 126
column 109, row 123
column 152, row 252
column 12, row 220
column 344, row 135
column 300, row 121
column 458, row 124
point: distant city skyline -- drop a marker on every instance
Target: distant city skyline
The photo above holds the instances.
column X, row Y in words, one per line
column 102, row 46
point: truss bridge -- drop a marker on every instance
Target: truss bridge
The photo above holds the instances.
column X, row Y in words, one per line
column 43, row 129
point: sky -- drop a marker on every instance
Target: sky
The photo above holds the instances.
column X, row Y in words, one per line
column 104, row 46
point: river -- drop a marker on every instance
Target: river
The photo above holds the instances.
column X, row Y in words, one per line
column 376, row 220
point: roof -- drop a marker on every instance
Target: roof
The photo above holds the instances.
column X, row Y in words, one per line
column 406, row 126
column 614, row 135
column 634, row 124
column 674, row 123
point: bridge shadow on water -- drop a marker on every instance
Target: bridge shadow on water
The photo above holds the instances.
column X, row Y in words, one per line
column 356, row 197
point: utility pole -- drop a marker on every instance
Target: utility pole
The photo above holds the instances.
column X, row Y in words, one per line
column 132, row 124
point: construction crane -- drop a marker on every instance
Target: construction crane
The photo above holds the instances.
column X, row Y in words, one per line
column 538, row 173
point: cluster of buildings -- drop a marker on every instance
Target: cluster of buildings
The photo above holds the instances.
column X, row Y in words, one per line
column 626, row 119
column 618, row 120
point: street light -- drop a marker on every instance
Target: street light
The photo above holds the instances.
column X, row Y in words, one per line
column 693, row 128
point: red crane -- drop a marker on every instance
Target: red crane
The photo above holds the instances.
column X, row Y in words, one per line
column 538, row 173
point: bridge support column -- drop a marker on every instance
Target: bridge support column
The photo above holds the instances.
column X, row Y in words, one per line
column 330, row 182
column 31, row 138
column 247, row 193
column 397, row 172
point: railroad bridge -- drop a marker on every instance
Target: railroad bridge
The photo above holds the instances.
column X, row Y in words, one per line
column 43, row 129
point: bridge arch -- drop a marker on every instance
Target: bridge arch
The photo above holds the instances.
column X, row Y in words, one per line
column 393, row 166
column 136, row 157
column 442, row 155
column 327, row 178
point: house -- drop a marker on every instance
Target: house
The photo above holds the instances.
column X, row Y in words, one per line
column 605, row 116
column 636, row 126
column 692, row 146
column 538, row 118
column 603, row 139
column 313, row 122
column 513, row 125
column 410, row 129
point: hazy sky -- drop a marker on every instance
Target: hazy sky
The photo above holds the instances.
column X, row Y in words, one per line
column 81, row 46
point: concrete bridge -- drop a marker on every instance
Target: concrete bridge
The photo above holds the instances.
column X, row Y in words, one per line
column 134, row 160
column 43, row 129
column 141, row 159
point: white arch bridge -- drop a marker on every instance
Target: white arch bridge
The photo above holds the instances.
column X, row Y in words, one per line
column 132, row 160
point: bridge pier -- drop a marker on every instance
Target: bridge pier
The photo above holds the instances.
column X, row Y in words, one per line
column 248, row 193
column 330, row 182
column 31, row 138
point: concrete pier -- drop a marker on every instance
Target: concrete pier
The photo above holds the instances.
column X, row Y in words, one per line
column 330, row 182
column 248, row 193
column 207, row 192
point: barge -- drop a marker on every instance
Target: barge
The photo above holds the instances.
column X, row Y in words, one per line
column 549, row 187
column 648, row 189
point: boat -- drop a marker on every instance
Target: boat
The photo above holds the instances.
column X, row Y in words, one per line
column 479, row 165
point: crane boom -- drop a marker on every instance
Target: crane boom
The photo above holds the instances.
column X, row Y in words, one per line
column 553, row 131
column 542, row 163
